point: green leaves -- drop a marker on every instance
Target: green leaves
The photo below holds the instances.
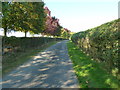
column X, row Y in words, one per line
column 101, row 43
column 90, row 74
column 23, row 16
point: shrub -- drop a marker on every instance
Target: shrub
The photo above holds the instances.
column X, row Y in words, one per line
column 101, row 43
column 22, row 44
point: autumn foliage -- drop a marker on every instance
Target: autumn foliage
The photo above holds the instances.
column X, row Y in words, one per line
column 30, row 17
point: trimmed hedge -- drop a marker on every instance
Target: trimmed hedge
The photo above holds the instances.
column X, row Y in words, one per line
column 101, row 43
column 22, row 43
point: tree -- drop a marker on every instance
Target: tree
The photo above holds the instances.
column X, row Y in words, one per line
column 65, row 33
column 38, row 18
column 6, row 17
column 57, row 31
column 52, row 26
column 24, row 17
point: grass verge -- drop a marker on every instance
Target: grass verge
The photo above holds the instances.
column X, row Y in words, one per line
column 20, row 58
column 90, row 73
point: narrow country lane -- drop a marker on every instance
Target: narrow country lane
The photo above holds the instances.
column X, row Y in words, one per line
column 51, row 68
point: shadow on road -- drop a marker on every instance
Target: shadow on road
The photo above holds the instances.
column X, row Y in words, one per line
column 49, row 69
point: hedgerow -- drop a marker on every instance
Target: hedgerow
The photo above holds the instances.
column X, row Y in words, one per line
column 101, row 43
column 23, row 44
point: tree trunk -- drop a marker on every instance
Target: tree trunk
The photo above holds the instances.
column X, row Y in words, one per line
column 25, row 33
column 5, row 31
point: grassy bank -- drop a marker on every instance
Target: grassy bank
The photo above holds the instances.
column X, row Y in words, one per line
column 16, row 59
column 90, row 73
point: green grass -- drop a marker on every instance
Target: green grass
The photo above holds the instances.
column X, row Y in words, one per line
column 90, row 73
column 19, row 58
